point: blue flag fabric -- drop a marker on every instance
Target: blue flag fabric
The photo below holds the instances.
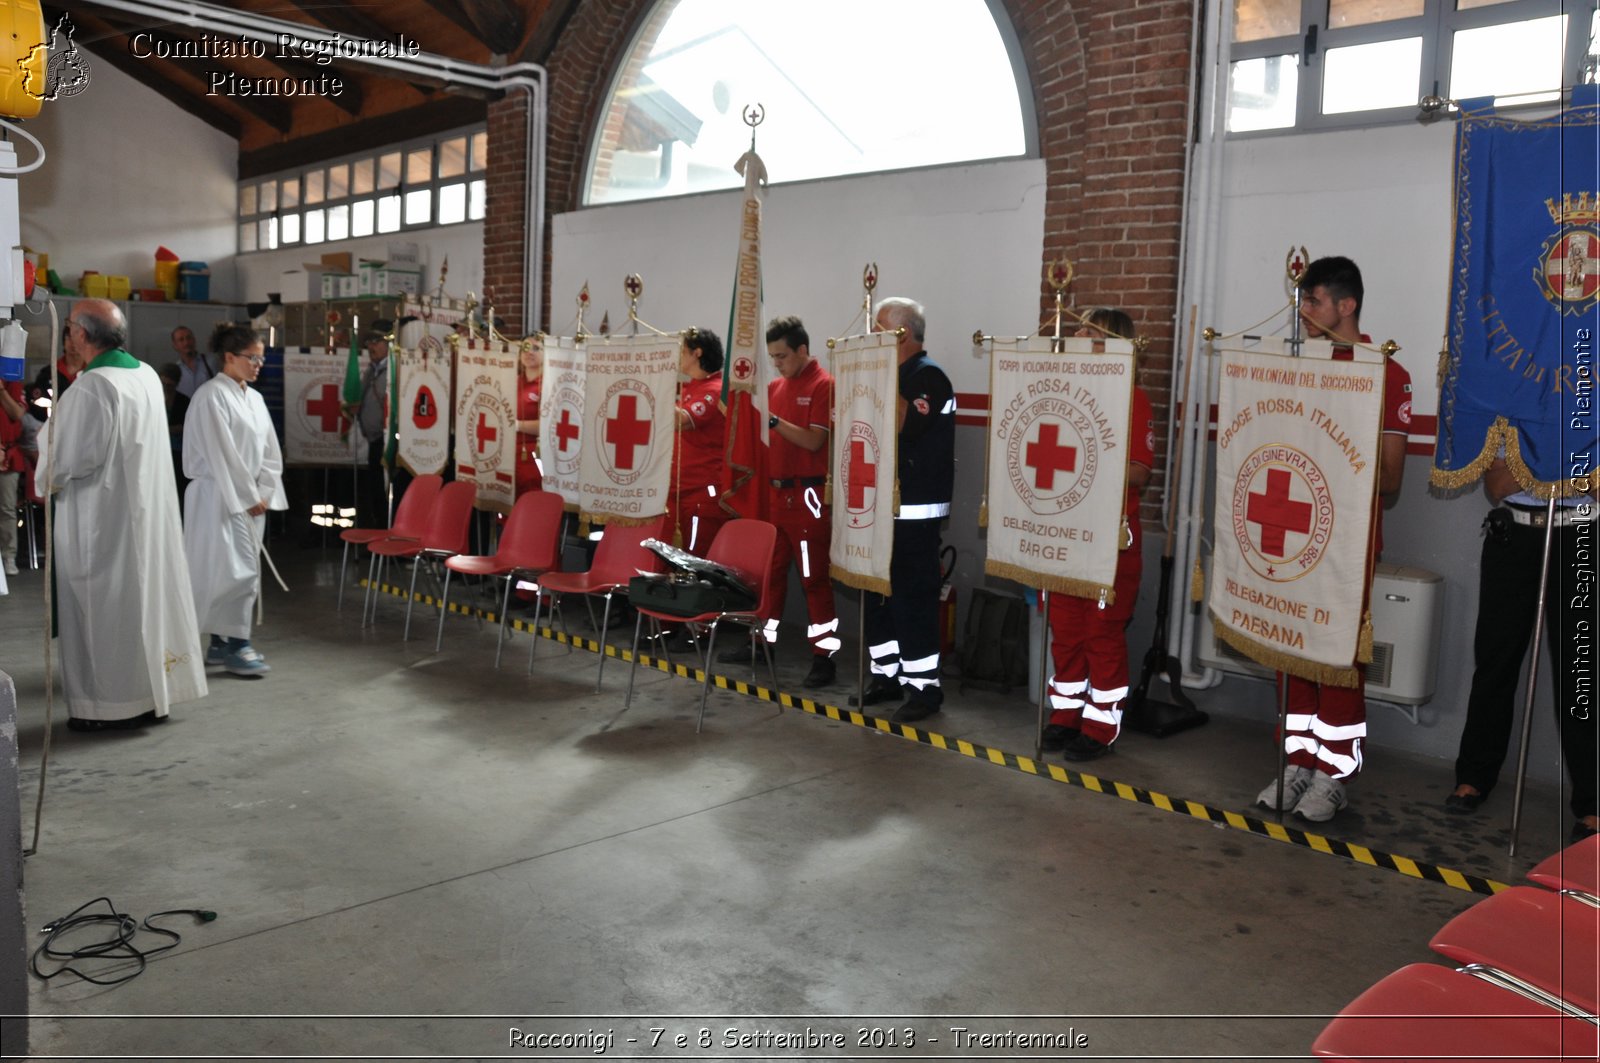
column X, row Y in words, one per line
column 1519, row 371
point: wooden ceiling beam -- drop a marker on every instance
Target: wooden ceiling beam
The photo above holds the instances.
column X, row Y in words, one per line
column 343, row 18
column 547, row 30
column 497, row 24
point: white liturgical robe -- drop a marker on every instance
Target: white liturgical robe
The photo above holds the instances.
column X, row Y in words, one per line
column 129, row 643
column 232, row 459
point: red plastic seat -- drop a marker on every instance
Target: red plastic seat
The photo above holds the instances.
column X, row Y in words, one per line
column 1548, row 940
column 448, row 526
column 1577, row 867
column 617, row 559
column 747, row 547
column 1428, row 1012
column 410, row 521
column 530, row 546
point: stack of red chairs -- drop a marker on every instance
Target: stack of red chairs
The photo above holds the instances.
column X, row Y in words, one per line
column 410, row 522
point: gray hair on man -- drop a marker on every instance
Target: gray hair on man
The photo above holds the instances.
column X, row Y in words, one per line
column 103, row 324
column 905, row 313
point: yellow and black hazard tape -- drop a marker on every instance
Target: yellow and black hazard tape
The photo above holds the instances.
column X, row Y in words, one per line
column 1016, row 762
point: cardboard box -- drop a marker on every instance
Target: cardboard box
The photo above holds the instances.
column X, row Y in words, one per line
column 364, row 270
column 308, row 279
column 337, row 262
column 396, row 281
column 405, row 255
column 339, row 285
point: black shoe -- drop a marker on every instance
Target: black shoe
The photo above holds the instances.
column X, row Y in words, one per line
column 822, row 673
column 679, row 641
column 913, row 710
column 1581, row 831
column 878, row 691
column 1082, row 747
column 131, row 723
column 1056, row 736
column 742, row 653
column 1463, row 804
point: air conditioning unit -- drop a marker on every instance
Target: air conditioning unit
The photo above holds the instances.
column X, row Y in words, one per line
column 1407, row 612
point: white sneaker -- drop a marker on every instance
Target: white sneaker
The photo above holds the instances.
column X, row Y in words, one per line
column 1323, row 799
column 246, row 661
column 1296, row 778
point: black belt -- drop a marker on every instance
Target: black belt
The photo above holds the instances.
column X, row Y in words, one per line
column 799, row 481
column 1566, row 516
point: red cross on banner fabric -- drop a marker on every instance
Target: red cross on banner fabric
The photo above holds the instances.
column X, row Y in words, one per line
column 486, row 421
column 561, row 404
column 1297, row 463
column 425, row 402
column 625, row 433
column 1058, row 462
column 315, row 432
column 866, row 382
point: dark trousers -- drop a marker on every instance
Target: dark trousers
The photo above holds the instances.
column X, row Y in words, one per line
column 374, row 501
column 903, row 629
column 1508, row 595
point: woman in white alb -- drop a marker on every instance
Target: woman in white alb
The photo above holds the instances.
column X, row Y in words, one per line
column 231, row 455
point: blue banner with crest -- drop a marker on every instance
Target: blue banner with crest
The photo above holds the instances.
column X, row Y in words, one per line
column 1518, row 374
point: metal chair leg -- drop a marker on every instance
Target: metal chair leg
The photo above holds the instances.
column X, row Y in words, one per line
column 633, row 666
column 367, row 603
column 772, row 672
column 705, row 688
column 605, row 624
column 444, row 607
column 344, row 563
column 533, row 636
column 411, row 596
column 505, row 608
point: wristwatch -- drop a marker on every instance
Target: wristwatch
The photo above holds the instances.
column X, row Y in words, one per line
column 772, row 423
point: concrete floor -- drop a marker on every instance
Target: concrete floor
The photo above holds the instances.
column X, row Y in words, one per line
column 386, row 831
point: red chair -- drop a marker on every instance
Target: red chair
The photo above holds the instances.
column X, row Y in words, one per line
column 747, row 547
column 448, row 527
column 530, row 546
column 1575, row 869
column 410, row 522
column 1540, row 939
column 617, row 559
column 1428, row 1012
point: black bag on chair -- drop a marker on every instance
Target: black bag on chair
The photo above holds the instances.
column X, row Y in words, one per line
column 685, row 594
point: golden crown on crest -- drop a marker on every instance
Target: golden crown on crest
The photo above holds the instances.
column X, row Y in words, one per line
column 1585, row 208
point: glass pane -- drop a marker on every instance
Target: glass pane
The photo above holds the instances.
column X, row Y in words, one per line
column 315, row 221
column 1508, row 60
column 247, row 200
column 452, row 204
column 267, row 197
column 247, row 236
column 339, row 222
column 291, row 228
column 1367, row 76
column 389, row 214
column 419, row 166
column 338, row 181
column 419, row 206
column 389, row 170
column 289, row 193
column 314, row 186
column 686, row 81
column 1261, row 93
column 1342, row 13
column 480, row 152
column 361, row 224
column 453, row 157
column 475, row 198
column 1260, row 20
column 267, row 234
column 361, row 177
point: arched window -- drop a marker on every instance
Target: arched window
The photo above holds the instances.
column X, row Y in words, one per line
column 848, row 87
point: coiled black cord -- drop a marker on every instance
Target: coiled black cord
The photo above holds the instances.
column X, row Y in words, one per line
column 118, row 946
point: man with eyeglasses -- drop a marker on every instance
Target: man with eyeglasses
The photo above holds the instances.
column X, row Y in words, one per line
column 130, row 647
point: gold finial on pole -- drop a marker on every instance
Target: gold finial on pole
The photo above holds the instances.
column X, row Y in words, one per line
column 633, row 284
column 753, row 114
column 869, row 282
column 1295, row 263
column 583, row 307
column 978, row 336
column 1059, row 275
column 1389, row 348
column 1208, row 333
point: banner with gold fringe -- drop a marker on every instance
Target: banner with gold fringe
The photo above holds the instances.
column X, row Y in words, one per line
column 561, row 403
column 1058, row 462
column 1297, row 467
column 315, row 429
column 424, row 422
column 866, row 383
column 630, row 416
column 486, row 421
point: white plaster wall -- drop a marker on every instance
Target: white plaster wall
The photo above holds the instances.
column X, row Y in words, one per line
column 280, row 271
column 127, row 172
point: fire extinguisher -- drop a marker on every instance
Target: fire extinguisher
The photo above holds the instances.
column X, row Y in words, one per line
column 947, row 602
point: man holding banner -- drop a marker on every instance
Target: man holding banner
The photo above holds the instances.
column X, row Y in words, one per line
column 903, row 630
column 1325, row 724
column 693, row 513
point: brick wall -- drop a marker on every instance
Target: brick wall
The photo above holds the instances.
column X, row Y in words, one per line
column 1109, row 80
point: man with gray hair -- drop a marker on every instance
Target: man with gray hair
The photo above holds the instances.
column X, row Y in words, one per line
column 903, row 630
column 130, row 647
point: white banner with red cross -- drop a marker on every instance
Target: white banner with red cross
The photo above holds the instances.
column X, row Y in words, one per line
column 630, row 416
column 866, row 385
column 1297, row 464
column 1058, row 462
column 424, row 424
column 315, row 431
column 566, row 365
column 486, row 421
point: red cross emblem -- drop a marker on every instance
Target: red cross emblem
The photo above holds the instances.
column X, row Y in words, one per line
column 487, row 433
column 326, row 408
column 861, row 474
column 743, row 369
column 627, row 430
column 566, row 430
column 634, row 285
column 1046, row 456
column 1277, row 513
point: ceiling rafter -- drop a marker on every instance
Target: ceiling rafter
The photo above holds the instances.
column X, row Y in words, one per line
column 497, row 24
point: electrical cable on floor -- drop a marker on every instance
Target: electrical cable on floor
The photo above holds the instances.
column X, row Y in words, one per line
column 118, row 946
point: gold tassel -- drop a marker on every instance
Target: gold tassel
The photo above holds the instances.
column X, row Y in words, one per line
column 896, row 510
column 1364, row 640
column 827, row 490
column 1197, row 583
column 983, row 512
column 583, row 525
column 677, row 534
column 1126, row 534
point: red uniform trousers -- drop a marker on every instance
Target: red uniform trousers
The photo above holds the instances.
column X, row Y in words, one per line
column 805, row 532
column 1325, row 725
column 1089, row 647
column 694, row 518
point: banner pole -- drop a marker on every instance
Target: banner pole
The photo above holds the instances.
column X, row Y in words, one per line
column 861, row 653
column 1046, row 668
column 1533, row 675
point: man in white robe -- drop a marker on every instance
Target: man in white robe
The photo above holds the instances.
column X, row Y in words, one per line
column 235, row 470
column 129, row 645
